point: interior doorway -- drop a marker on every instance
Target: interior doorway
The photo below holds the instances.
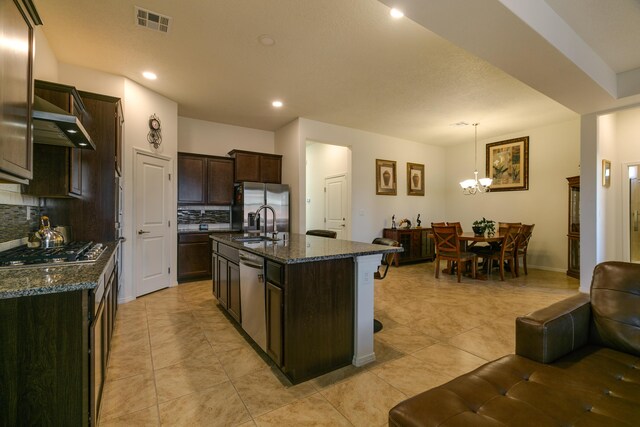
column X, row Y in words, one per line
column 328, row 188
column 152, row 191
column 336, row 204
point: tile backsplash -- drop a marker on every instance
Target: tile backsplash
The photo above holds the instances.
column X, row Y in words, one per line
column 19, row 214
column 190, row 217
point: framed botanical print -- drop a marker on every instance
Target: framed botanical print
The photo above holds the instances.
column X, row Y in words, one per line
column 508, row 164
column 415, row 179
column 386, row 177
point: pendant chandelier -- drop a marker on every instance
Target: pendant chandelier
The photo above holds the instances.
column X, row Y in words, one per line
column 475, row 185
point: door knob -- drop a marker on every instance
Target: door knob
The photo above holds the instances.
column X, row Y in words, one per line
column 143, row 232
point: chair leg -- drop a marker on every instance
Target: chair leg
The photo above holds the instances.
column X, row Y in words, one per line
column 512, row 267
column 502, row 270
column 474, row 267
column 459, row 264
column 437, row 267
column 517, row 266
column 524, row 263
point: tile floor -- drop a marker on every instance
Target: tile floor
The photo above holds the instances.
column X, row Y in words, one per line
column 178, row 360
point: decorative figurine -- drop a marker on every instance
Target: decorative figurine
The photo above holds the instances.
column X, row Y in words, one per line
column 418, row 222
column 393, row 222
column 406, row 223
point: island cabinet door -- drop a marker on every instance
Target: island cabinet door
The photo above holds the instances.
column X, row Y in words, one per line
column 234, row 291
column 223, row 289
column 275, row 312
column 215, row 283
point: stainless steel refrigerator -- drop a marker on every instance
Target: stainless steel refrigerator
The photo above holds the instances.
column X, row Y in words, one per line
column 249, row 196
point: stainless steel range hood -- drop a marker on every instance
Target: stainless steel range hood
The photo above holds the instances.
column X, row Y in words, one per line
column 54, row 126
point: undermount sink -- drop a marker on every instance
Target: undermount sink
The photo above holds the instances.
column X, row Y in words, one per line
column 254, row 239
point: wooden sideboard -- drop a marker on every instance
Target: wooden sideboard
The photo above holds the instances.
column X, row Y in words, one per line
column 417, row 244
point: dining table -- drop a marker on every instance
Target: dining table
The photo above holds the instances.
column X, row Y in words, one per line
column 468, row 236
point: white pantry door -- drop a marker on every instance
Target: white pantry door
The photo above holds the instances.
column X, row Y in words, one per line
column 335, row 205
column 151, row 204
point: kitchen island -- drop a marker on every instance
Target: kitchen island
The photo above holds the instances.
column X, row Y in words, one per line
column 319, row 298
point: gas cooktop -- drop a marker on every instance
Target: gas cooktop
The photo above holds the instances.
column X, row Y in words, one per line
column 69, row 254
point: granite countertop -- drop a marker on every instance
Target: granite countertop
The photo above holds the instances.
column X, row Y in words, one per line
column 28, row 281
column 298, row 248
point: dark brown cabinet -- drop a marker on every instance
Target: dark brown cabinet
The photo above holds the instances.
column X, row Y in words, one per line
column 57, row 171
column 417, row 244
column 234, row 291
column 194, row 252
column 55, row 350
column 226, row 282
column 257, row 167
column 16, row 90
column 219, row 181
column 275, row 311
column 205, row 180
column 309, row 310
column 192, row 173
column 93, row 215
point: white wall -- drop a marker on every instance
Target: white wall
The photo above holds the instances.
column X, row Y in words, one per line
column 138, row 104
column 618, row 134
column 609, row 227
column 45, row 64
column 217, row 139
column 323, row 160
column 287, row 143
column 370, row 212
column 554, row 155
column 141, row 103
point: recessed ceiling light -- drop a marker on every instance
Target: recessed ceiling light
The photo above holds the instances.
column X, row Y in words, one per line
column 277, row 104
column 72, row 131
column 396, row 13
column 266, row 40
column 149, row 75
column 84, row 144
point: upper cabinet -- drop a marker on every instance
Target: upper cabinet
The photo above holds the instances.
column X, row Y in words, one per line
column 16, row 93
column 219, row 181
column 205, row 180
column 58, row 170
column 257, row 167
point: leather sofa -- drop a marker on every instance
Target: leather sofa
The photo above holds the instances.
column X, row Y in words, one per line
column 577, row 363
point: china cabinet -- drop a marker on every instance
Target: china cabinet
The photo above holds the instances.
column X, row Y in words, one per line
column 573, row 232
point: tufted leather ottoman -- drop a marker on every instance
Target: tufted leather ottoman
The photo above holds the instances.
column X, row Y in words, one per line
column 577, row 364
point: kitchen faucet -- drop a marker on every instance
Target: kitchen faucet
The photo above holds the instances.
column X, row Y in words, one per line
column 274, row 235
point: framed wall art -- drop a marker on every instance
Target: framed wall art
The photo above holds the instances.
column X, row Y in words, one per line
column 386, row 177
column 508, row 164
column 415, row 179
column 606, row 173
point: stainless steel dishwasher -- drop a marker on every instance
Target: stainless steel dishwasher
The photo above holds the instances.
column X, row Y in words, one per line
column 252, row 297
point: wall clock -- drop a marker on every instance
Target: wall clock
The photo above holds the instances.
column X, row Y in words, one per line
column 154, row 137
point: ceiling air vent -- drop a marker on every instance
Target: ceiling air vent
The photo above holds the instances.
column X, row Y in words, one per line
column 152, row 20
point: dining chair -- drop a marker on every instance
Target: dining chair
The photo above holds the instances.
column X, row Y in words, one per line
column 387, row 259
column 503, row 226
column 505, row 253
column 458, row 227
column 322, row 233
column 523, row 243
column 448, row 248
